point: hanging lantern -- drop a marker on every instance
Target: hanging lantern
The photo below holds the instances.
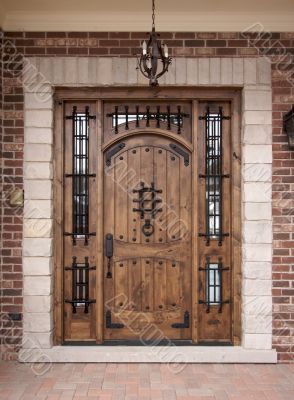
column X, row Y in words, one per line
column 154, row 60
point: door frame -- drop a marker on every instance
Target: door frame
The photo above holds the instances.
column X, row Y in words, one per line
column 195, row 95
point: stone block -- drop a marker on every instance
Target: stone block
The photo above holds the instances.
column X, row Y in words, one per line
column 257, row 192
column 257, row 100
column 257, row 172
column 257, row 252
column 38, row 209
column 204, row 71
column 181, row 71
column 257, row 287
column 38, row 170
column 38, row 135
column 37, row 266
column 37, row 285
column 38, row 322
column 257, row 134
column 37, row 247
column 37, row 304
column 258, row 211
column 250, row 71
column 226, row 71
column 257, row 117
column 257, row 341
column 257, row 232
column 38, row 189
column 104, row 70
column 215, row 71
column 38, row 118
column 34, row 228
column 192, row 71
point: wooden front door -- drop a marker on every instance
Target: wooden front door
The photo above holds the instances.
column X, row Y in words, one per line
column 147, row 216
column 147, row 234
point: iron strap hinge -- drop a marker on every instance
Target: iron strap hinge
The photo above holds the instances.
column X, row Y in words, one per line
column 110, row 324
column 112, row 152
column 181, row 152
column 185, row 324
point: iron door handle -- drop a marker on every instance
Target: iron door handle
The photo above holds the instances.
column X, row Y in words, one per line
column 109, row 253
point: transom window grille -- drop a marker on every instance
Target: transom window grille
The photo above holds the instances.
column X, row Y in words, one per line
column 156, row 114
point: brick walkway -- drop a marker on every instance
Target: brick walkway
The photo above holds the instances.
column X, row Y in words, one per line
column 146, row 381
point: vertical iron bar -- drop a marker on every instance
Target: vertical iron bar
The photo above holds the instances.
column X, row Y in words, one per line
column 148, row 116
column 127, row 117
column 86, row 284
column 220, row 269
column 116, row 119
column 86, row 178
column 221, row 172
column 74, row 284
column 207, row 128
column 207, row 284
column 74, row 168
column 158, row 117
column 168, row 118
column 80, row 152
column 214, row 161
column 137, row 117
column 179, row 120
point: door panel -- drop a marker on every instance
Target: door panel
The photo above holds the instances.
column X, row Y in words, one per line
column 150, row 288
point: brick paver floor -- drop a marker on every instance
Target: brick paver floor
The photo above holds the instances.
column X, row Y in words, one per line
column 145, row 381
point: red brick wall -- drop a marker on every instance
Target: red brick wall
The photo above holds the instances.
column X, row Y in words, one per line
column 279, row 48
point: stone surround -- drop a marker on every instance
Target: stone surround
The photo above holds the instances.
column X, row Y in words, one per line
column 254, row 77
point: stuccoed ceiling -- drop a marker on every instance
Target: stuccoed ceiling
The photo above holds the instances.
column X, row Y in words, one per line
column 134, row 15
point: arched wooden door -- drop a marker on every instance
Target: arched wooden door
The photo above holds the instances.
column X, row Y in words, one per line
column 147, row 239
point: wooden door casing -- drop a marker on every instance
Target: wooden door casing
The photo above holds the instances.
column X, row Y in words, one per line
column 150, row 288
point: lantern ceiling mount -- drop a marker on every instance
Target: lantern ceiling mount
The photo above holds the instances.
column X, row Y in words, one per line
column 154, row 52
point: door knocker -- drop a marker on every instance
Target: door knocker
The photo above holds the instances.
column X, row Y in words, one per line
column 148, row 228
column 150, row 208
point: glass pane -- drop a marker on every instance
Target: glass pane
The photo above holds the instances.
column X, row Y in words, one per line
column 80, row 171
column 213, row 289
column 121, row 119
column 213, row 174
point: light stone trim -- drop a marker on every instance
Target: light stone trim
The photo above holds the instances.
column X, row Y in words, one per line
column 254, row 77
column 177, row 357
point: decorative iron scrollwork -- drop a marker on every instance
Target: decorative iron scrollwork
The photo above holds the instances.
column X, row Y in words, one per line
column 185, row 324
column 110, row 324
column 80, row 284
column 152, row 210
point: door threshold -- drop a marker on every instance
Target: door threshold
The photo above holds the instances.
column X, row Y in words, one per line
column 164, row 342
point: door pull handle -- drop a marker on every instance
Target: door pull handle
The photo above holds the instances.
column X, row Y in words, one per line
column 109, row 253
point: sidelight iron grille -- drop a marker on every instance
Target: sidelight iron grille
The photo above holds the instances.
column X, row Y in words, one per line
column 213, row 175
column 80, row 174
column 213, row 284
column 155, row 114
column 80, row 285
